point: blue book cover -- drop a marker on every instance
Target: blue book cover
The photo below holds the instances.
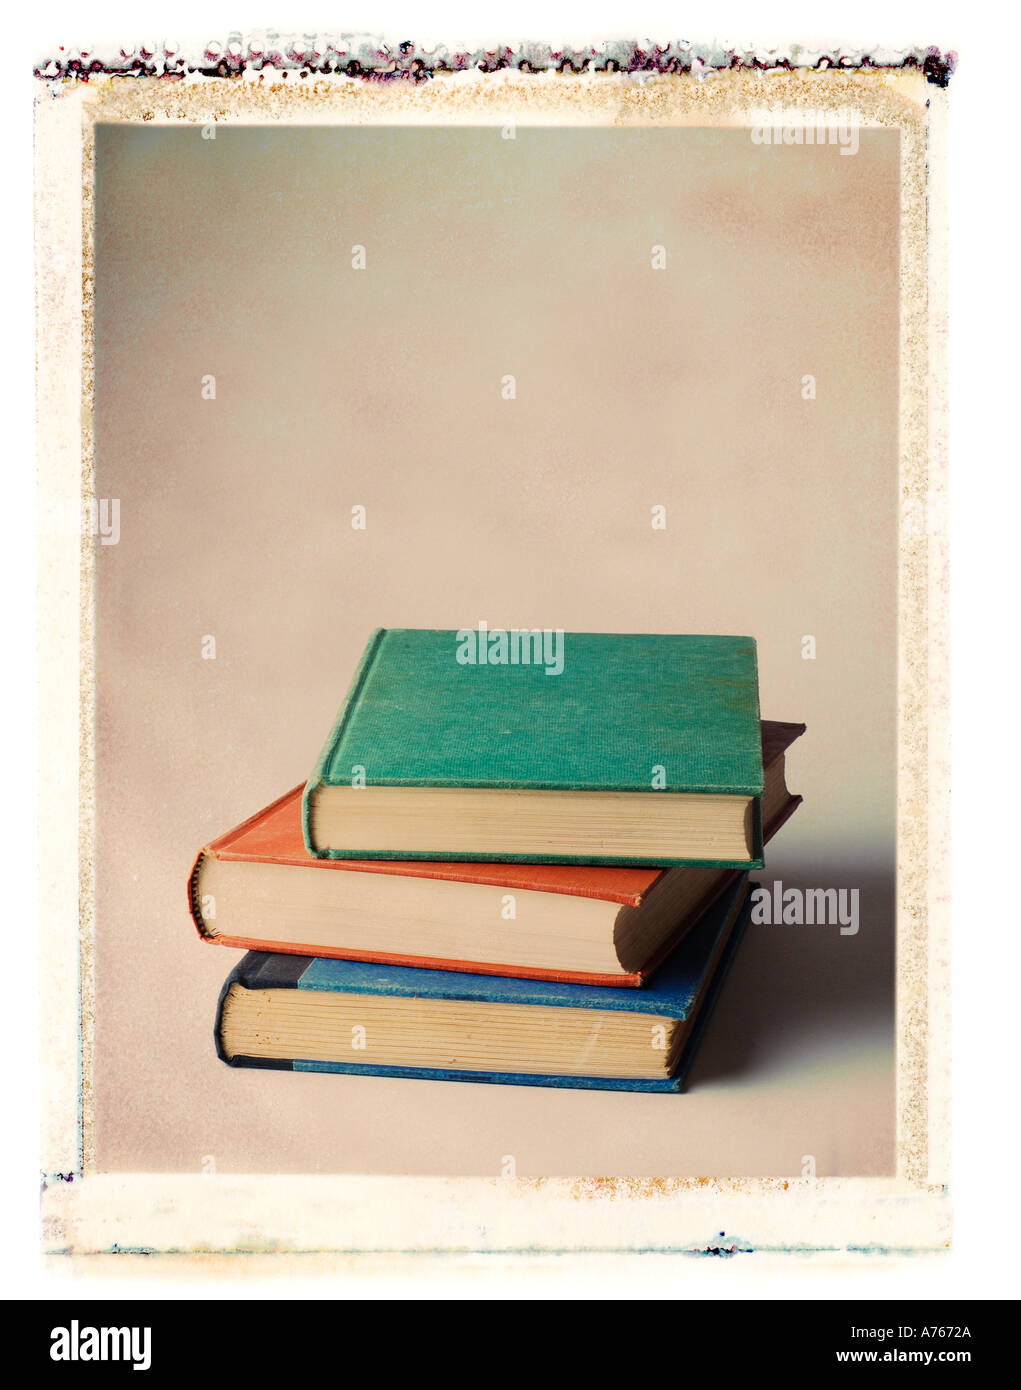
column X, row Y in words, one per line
column 684, row 989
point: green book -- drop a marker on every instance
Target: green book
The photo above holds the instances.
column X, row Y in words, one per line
column 546, row 747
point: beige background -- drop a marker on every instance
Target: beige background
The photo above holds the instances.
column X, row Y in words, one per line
column 382, row 388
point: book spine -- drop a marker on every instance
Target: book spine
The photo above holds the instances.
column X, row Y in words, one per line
column 194, row 904
column 335, row 735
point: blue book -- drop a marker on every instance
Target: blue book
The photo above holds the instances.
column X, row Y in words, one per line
column 300, row 1013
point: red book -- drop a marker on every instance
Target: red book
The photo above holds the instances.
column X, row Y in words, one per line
column 258, row 888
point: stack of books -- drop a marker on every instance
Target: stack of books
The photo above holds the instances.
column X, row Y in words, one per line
column 522, row 857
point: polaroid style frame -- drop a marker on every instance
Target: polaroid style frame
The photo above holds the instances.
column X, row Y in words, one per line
column 88, row 1212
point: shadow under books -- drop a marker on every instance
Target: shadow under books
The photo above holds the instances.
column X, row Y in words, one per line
column 799, row 990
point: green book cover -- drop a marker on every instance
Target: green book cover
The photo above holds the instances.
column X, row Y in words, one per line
column 555, row 711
